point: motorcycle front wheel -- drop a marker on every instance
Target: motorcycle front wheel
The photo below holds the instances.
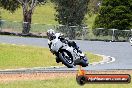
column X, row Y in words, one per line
column 66, row 58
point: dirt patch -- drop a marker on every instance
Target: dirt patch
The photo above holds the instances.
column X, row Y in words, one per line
column 46, row 76
column 33, row 76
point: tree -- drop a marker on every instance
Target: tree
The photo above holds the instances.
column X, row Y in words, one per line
column 115, row 14
column 28, row 7
column 93, row 6
column 71, row 12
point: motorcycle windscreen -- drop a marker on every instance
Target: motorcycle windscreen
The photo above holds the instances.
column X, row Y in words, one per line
column 56, row 45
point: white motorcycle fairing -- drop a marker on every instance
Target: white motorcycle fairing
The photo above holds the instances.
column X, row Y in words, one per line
column 56, row 43
column 60, row 47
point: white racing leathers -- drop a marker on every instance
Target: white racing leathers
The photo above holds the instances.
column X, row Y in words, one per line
column 67, row 54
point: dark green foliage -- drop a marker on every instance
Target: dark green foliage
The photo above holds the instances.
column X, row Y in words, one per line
column 10, row 5
column 93, row 6
column 71, row 12
column 115, row 14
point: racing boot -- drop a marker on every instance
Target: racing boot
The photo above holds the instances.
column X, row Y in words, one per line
column 58, row 60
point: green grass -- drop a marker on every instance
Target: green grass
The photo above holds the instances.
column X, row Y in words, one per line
column 42, row 14
column 43, row 19
column 93, row 58
column 59, row 83
column 17, row 56
column 90, row 20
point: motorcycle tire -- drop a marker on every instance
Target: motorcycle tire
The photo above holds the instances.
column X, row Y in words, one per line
column 66, row 58
column 84, row 62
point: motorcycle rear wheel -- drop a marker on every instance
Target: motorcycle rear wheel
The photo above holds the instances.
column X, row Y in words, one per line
column 82, row 61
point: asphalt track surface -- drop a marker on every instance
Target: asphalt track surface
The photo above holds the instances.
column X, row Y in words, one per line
column 121, row 51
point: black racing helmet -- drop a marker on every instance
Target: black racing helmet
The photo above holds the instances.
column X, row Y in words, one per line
column 50, row 34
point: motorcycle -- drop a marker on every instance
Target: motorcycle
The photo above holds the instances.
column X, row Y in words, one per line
column 67, row 54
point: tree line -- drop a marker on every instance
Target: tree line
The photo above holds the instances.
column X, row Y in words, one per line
column 111, row 13
column 114, row 14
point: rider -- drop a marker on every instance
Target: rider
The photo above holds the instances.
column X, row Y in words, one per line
column 52, row 35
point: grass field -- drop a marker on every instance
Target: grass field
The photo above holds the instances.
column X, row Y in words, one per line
column 17, row 56
column 43, row 19
column 42, row 15
column 59, row 83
